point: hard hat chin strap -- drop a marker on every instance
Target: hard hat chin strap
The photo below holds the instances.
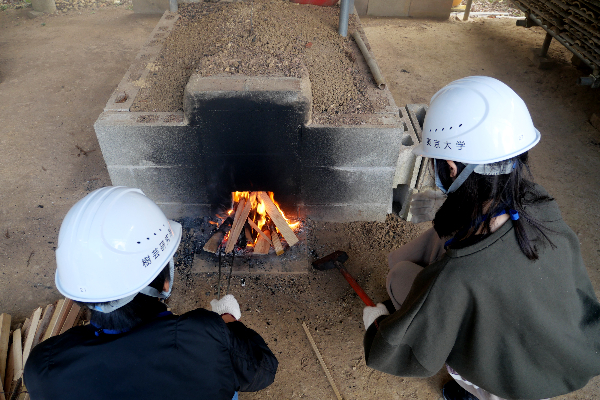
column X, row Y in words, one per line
column 150, row 291
column 462, row 177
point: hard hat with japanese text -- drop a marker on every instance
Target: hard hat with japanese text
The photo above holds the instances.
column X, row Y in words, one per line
column 112, row 244
column 477, row 120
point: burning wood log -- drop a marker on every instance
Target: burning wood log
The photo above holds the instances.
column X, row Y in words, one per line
column 212, row 246
column 239, row 222
column 248, row 233
column 261, row 233
column 275, row 238
column 278, row 219
column 263, row 245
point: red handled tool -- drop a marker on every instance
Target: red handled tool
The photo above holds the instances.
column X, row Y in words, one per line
column 336, row 260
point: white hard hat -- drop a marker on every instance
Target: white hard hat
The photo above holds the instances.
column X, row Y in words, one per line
column 112, row 244
column 477, row 120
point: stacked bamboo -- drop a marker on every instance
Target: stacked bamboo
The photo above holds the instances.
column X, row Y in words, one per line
column 16, row 345
column 575, row 23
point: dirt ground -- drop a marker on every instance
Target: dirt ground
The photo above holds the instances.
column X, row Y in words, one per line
column 57, row 73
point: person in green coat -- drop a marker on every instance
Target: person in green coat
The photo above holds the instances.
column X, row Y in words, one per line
column 496, row 291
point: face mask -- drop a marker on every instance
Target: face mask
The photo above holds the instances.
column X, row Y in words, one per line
column 150, row 291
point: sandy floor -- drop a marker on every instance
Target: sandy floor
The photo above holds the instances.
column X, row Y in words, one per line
column 58, row 71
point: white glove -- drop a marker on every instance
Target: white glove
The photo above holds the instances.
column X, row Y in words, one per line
column 424, row 205
column 227, row 305
column 370, row 314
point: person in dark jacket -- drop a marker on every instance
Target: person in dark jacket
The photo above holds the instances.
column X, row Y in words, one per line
column 115, row 256
column 497, row 290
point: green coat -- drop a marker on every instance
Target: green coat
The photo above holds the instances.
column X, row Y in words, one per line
column 518, row 328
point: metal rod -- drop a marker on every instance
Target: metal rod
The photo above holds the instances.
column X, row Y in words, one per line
column 219, row 284
column 344, row 15
column 370, row 60
column 546, row 45
column 467, row 10
column 230, row 272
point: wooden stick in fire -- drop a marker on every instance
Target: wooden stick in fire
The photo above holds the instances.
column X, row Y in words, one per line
column 261, row 233
column 278, row 219
column 275, row 238
column 239, row 222
column 212, row 246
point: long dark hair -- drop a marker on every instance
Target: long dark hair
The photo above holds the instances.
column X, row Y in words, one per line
column 471, row 207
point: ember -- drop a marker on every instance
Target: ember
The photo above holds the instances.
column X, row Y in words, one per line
column 254, row 223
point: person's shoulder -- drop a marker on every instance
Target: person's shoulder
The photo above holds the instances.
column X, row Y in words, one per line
column 201, row 316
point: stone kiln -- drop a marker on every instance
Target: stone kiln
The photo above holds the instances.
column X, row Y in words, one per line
column 254, row 133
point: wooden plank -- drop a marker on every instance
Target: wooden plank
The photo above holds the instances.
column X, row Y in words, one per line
column 262, row 246
column 239, row 225
column 43, row 325
column 212, row 246
column 261, row 233
column 276, row 242
column 71, row 318
column 278, row 219
column 35, row 320
column 25, row 329
column 14, row 369
column 4, row 339
column 63, row 316
column 54, row 320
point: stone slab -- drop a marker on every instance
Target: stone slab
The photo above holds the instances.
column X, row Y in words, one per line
column 430, row 9
column 348, row 212
column 233, row 93
column 150, row 6
column 294, row 260
column 351, row 146
column 347, row 185
column 388, row 8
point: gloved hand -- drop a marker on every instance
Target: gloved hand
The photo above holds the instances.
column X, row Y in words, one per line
column 424, row 205
column 227, row 305
column 370, row 314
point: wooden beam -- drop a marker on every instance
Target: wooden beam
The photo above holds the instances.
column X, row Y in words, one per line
column 262, row 246
column 35, row 320
column 71, row 318
column 54, row 320
column 278, row 219
column 238, row 224
column 43, row 325
column 261, row 233
column 4, row 339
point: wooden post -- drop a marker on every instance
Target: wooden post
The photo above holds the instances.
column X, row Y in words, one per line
column 278, row 219
column 4, row 338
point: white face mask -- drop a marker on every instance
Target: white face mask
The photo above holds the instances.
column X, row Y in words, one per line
column 150, row 291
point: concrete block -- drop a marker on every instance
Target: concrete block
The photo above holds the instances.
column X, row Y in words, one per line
column 44, row 6
column 348, row 212
column 388, row 8
column 150, row 6
column 178, row 211
column 430, row 9
column 225, row 93
column 351, row 146
column 125, row 141
column 347, row 185
column 184, row 185
column 247, row 131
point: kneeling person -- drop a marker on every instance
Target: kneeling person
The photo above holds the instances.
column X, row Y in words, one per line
column 115, row 255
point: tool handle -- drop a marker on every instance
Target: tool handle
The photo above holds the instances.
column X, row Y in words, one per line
column 361, row 293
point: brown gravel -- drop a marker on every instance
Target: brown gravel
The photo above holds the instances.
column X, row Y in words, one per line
column 267, row 38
